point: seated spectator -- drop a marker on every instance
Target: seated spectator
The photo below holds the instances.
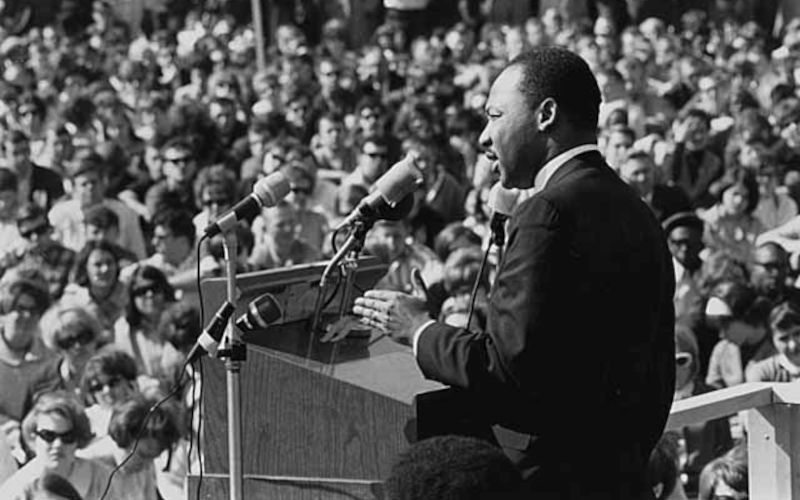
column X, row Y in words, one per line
column 23, row 300
column 55, row 429
column 329, row 146
column 617, row 142
column 775, row 206
column 741, row 318
column 312, row 224
column 453, row 467
column 73, row 334
column 705, row 440
column 109, row 379
column 41, row 252
column 97, row 287
column 784, row 366
column 215, row 264
column 684, row 232
column 89, row 184
column 9, row 194
column 663, row 469
column 388, row 240
column 39, row 185
column 372, row 163
column 443, row 194
column 215, row 190
column 180, row 326
column 729, row 225
column 144, row 440
column 787, row 236
column 136, row 333
column 769, row 274
column 692, row 166
column 102, row 224
column 726, row 477
column 638, row 170
column 174, row 192
column 278, row 245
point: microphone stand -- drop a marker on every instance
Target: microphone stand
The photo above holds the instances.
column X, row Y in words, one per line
column 347, row 260
column 234, row 354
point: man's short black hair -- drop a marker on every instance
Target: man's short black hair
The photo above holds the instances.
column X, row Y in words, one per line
column 564, row 76
column 453, row 467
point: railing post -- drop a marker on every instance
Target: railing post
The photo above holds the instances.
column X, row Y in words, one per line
column 773, row 431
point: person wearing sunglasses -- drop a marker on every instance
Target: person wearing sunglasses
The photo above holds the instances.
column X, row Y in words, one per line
column 23, row 300
column 73, row 333
column 215, row 190
column 109, row 379
column 55, row 429
column 41, row 251
column 136, row 333
column 312, row 223
column 701, row 442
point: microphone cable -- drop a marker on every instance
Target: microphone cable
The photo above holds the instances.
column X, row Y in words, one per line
column 178, row 386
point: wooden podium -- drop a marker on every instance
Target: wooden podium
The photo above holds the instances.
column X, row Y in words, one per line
column 319, row 420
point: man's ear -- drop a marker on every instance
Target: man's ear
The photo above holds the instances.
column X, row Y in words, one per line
column 548, row 110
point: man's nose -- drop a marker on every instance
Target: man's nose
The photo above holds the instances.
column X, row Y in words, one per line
column 484, row 140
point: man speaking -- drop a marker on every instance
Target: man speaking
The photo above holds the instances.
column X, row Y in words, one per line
column 576, row 366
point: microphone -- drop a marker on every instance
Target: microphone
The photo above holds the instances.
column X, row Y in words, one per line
column 261, row 312
column 266, row 193
column 208, row 341
column 502, row 201
column 390, row 189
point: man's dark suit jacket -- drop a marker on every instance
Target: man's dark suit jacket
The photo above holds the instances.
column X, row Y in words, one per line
column 576, row 369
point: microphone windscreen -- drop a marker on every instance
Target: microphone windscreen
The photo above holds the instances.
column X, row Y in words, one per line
column 400, row 180
column 261, row 312
column 502, row 200
column 272, row 189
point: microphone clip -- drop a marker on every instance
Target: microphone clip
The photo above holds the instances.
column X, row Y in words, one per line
column 236, row 352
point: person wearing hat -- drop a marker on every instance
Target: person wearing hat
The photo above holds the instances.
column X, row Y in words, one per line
column 684, row 232
column 740, row 315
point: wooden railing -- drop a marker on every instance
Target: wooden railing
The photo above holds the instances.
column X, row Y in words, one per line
column 773, row 432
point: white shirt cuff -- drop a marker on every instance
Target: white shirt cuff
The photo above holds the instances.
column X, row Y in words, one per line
column 418, row 332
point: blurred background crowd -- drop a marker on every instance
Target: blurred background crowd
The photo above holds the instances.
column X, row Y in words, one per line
column 127, row 126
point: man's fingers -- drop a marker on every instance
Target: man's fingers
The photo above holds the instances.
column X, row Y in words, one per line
column 382, row 294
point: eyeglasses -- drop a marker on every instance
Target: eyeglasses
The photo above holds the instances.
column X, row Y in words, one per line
column 301, row 190
column 769, row 265
column 68, row 437
column 144, row 290
column 218, row 202
column 374, row 154
column 81, row 339
column 97, row 386
column 369, row 116
column 682, row 359
column 181, row 160
column 680, row 242
column 38, row 231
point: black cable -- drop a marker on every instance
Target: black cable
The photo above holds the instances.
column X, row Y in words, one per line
column 200, row 380
column 200, row 432
column 191, row 417
column 150, row 412
column 477, row 284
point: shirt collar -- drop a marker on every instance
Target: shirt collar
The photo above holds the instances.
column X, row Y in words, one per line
column 550, row 168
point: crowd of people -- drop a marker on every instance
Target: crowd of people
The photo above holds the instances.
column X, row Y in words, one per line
column 121, row 141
